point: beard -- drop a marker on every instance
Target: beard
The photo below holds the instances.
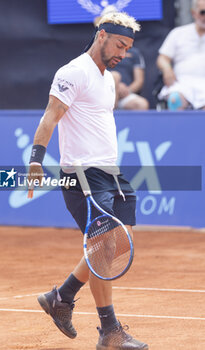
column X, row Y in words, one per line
column 108, row 61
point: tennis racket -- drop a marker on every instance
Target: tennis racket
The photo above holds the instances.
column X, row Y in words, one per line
column 108, row 246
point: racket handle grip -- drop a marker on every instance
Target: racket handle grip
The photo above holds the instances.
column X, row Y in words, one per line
column 82, row 179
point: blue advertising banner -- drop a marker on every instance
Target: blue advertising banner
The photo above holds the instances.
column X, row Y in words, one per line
column 156, row 149
column 82, row 11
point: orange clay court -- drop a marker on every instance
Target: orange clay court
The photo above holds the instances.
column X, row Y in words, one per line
column 161, row 298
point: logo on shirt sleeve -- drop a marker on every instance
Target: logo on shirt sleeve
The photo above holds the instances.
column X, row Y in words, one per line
column 62, row 88
column 64, row 85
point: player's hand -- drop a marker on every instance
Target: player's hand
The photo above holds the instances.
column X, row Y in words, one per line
column 35, row 175
column 169, row 77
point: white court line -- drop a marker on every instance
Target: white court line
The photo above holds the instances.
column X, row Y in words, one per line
column 118, row 315
column 122, row 288
column 20, row 310
column 163, row 289
column 21, row 296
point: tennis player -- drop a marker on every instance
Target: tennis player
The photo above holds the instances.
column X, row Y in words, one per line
column 81, row 102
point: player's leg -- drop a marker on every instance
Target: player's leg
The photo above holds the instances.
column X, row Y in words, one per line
column 100, row 289
column 59, row 303
column 111, row 334
column 81, row 271
column 76, row 204
column 130, row 230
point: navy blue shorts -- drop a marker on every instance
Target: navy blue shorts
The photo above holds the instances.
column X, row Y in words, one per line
column 105, row 192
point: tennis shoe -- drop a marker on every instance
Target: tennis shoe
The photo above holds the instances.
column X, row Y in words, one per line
column 60, row 312
column 118, row 339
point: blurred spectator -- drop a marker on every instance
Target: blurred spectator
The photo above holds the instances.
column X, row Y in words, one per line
column 129, row 79
column 182, row 63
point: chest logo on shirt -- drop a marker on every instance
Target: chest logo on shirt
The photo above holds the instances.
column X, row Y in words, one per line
column 95, row 9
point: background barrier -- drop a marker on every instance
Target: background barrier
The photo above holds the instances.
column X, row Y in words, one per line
column 60, row 11
column 34, row 50
column 145, row 139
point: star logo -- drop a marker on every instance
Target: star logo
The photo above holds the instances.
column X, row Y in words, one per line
column 7, row 178
column 11, row 174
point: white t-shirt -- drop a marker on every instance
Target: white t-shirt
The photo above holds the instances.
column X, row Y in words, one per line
column 187, row 50
column 87, row 131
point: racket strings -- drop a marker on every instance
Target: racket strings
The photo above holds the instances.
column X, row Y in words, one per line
column 108, row 247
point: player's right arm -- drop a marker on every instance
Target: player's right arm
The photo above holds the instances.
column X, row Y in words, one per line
column 53, row 113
